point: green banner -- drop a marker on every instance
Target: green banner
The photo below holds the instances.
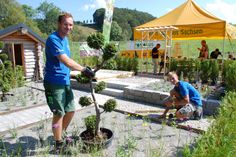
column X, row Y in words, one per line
column 108, row 19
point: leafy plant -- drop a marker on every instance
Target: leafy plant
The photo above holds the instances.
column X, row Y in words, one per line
column 100, row 87
column 135, row 65
column 173, row 64
column 90, row 123
column 214, row 71
column 9, row 77
column 219, row 140
column 110, row 105
column 111, row 64
column 6, row 75
column 230, row 76
column 96, row 41
column 205, row 71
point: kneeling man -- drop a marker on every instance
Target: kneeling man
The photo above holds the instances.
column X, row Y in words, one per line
column 185, row 98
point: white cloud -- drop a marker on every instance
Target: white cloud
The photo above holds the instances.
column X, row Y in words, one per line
column 95, row 5
column 223, row 10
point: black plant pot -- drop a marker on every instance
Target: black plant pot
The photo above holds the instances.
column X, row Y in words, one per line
column 93, row 144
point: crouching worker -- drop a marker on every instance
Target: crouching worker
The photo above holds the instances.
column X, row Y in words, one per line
column 185, row 98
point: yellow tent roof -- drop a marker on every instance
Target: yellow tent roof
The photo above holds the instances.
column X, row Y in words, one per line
column 186, row 14
column 192, row 21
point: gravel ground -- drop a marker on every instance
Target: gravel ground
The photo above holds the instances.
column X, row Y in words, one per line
column 132, row 136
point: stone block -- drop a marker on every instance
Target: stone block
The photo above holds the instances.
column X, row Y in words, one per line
column 138, row 93
column 163, row 95
column 147, row 95
column 210, row 106
column 131, row 97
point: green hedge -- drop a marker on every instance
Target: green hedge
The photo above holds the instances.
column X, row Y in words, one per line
column 229, row 75
column 195, row 69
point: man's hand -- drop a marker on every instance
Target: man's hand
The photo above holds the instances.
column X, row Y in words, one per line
column 87, row 71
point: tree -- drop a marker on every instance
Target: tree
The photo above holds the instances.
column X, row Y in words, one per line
column 48, row 14
column 12, row 13
column 97, row 41
column 127, row 19
column 116, row 32
column 98, row 17
column 29, row 11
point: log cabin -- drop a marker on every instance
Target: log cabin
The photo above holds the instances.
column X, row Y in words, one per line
column 25, row 48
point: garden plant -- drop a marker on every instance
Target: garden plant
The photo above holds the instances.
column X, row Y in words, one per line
column 9, row 77
column 92, row 122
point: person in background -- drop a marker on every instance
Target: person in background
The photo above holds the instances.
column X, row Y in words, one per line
column 231, row 56
column 162, row 63
column 183, row 97
column 155, row 55
column 58, row 91
column 215, row 54
column 204, row 50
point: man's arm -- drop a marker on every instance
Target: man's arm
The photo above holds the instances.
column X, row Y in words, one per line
column 175, row 103
column 70, row 62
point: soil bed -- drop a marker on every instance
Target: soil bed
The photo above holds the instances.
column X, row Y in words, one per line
column 22, row 98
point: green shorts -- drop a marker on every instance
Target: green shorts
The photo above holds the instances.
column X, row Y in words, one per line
column 60, row 98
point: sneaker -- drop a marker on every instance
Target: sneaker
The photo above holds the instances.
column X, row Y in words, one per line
column 59, row 147
column 198, row 114
column 171, row 116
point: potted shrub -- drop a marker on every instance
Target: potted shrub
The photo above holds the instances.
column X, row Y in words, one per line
column 94, row 135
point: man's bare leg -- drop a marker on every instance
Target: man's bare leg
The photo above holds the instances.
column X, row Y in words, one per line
column 57, row 127
column 67, row 119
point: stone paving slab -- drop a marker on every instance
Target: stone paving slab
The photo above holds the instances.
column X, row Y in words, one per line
column 107, row 74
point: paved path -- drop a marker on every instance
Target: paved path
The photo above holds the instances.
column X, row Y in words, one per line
column 31, row 116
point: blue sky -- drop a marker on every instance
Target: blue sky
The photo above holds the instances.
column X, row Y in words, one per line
column 84, row 9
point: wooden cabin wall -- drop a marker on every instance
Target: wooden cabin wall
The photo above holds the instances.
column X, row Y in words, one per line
column 39, row 49
column 30, row 60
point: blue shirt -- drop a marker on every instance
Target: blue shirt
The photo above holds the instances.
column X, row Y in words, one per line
column 184, row 89
column 55, row 71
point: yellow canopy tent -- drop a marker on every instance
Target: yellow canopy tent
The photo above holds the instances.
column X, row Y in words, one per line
column 192, row 23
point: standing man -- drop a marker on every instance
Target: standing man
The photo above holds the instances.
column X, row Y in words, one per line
column 58, row 92
column 155, row 55
column 185, row 98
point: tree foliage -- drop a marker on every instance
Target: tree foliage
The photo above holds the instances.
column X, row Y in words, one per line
column 116, row 32
column 13, row 13
column 43, row 20
column 29, row 11
column 48, row 14
column 126, row 19
column 98, row 17
column 9, row 77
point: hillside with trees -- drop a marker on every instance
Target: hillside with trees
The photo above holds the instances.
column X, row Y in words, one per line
column 42, row 20
column 124, row 20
